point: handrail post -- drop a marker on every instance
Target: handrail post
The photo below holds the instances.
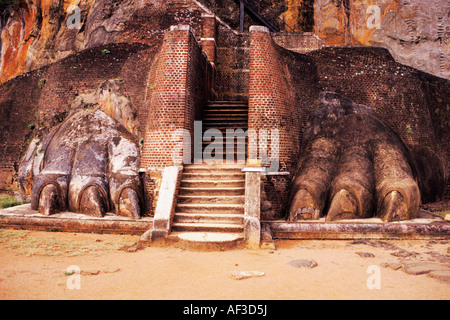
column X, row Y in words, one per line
column 252, row 224
column 241, row 16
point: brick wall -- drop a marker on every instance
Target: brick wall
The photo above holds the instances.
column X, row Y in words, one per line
column 285, row 85
column 370, row 76
column 28, row 100
column 179, row 88
column 272, row 106
column 18, row 110
column 232, row 64
column 85, row 71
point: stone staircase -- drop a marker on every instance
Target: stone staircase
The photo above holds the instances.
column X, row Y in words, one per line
column 210, row 203
column 231, row 115
column 210, row 206
column 209, row 213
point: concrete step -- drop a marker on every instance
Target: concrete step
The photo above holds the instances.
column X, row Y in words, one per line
column 207, row 227
column 207, row 184
column 208, row 218
column 201, row 191
column 211, row 199
column 210, row 208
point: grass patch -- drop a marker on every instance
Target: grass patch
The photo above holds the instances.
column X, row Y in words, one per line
column 7, row 201
column 22, row 242
column 443, row 213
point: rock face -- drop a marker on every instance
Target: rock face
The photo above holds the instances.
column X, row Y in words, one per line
column 414, row 31
column 40, row 32
column 299, row 15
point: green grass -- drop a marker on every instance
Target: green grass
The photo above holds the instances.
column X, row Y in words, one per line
column 443, row 213
column 8, row 201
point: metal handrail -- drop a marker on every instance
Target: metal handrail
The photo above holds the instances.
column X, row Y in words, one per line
column 267, row 16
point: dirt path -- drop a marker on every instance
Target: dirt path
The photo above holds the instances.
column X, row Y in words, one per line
column 34, row 265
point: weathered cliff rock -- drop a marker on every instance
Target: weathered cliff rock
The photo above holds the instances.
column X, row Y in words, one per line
column 39, row 32
column 414, row 31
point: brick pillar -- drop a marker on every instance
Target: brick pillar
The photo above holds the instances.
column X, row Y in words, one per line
column 179, row 85
column 208, row 39
column 168, row 101
column 208, row 44
column 271, row 98
column 272, row 105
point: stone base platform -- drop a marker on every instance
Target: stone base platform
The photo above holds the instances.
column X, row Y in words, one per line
column 428, row 226
column 206, row 241
column 23, row 217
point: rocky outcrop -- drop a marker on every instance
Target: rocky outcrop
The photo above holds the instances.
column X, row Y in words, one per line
column 413, row 31
column 35, row 33
column 40, row 32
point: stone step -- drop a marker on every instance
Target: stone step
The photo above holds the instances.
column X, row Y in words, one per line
column 209, row 208
column 206, row 241
column 224, row 126
column 202, row 167
column 207, row 227
column 212, row 184
column 229, row 191
column 224, row 144
column 211, row 199
column 232, row 122
column 227, row 103
column 213, row 175
column 224, row 153
column 224, row 111
column 208, row 218
column 229, row 122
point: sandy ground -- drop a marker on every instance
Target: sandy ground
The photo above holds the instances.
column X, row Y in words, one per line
column 345, row 270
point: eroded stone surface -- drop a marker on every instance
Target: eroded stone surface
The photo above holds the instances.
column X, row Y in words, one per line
column 355, row 166
column 89, row 165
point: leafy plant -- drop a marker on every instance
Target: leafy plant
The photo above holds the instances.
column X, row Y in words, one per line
column 105, row 51
column 41, row 83
column 409, row 129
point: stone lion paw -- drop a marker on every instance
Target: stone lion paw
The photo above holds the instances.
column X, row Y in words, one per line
column 89, row 164
column 354, row 166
